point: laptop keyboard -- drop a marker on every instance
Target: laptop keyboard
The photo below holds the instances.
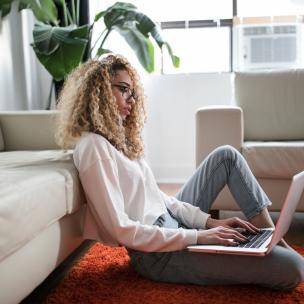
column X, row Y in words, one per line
column 255, row 240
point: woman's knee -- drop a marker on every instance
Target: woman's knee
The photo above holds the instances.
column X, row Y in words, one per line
column 295, row 272
column 291, row 270
column 227, row 152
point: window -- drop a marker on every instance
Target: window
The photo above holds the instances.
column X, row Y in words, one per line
column 200, row 34
column 205, row 49
column 223, row 35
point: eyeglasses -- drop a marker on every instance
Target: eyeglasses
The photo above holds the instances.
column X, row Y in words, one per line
column 126, row 92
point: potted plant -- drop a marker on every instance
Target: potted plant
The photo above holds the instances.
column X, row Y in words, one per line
column 62, row 46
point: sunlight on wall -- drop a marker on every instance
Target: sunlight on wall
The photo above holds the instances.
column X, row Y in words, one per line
column 6, row 80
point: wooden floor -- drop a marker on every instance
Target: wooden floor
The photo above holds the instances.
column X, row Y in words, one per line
column 295, row 236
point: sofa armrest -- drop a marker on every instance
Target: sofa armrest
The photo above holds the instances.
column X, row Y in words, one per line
column 28, row 130
column 216, row 126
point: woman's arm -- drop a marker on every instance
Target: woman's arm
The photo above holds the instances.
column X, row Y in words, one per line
column 101, row 185
column 188, row 214
column 212, row 231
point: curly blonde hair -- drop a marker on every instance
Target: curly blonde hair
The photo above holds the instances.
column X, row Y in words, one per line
column 87, row 104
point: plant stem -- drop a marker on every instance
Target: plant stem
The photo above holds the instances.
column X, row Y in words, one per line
column 77, row 11
column 70, row 17
column 65, row 13
column 162, row 61
column 96, row 42
column 105, row 37
column 73, row 12
column 48, row 107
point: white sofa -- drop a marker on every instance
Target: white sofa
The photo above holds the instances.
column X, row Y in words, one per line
column 266, row 124
column 41, row 203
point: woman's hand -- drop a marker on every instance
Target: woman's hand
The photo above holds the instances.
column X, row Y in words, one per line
column 220, row 236
column 234, row 223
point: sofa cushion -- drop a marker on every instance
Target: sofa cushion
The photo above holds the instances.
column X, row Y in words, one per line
column 272, row 103
column 279, row 160
column 28, row 130
column 48, row 160
column 36, row 188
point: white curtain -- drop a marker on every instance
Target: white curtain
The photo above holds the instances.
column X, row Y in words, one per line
column 24, row 82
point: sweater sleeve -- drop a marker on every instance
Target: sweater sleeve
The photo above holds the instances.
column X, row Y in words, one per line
column 189, row 215
column 101, row 185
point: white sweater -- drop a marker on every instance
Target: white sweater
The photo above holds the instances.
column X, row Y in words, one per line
column 123, row 201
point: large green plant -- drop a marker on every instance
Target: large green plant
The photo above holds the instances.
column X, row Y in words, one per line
column 60, row 46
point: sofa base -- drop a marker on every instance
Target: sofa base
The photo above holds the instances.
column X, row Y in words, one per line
column 25, row 269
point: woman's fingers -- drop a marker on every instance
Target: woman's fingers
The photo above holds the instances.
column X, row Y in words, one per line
column 233, row 234
column 239, row 223
column 233, row 223
column 248, row 226
column 221, row 236
column 229, row 234
column 256, row 229
column 228, row 242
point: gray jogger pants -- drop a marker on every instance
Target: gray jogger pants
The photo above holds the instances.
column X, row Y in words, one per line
column 281, row 269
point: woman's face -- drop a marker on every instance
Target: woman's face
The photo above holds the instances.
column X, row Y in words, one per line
column 122, row 88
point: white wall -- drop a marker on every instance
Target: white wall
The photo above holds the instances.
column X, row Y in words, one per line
column 24, row 82
column 172, row 101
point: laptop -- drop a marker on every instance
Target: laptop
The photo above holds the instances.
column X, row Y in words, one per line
column 262, row 243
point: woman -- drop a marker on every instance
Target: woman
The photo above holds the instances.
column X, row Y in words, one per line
column 102, row 114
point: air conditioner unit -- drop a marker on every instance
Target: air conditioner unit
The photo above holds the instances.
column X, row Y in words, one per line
column 269, row 46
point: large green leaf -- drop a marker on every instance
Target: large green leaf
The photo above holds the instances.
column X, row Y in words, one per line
column 141, row 45
column 44, row 10
column 125, row 18
column 156, row 34
column 147, row 26
column 122, row 7
column 117, row 13
column 60, row 49
column 113, row 18
column 175, row 59
column 99, row 15
column 122, row 18
column 102, row 51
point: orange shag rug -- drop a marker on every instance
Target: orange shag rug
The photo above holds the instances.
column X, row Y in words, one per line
column 104, row 275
